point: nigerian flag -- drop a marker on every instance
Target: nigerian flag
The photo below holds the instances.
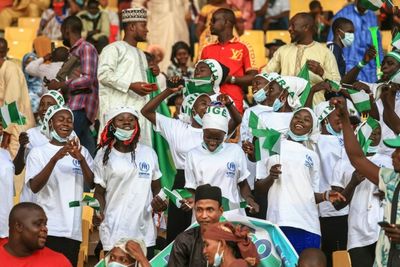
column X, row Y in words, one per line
column 360, row 100
column 304, row 73
column 271, row 140
column 228, row 205
column 198, row 85
column 396, row 41
column 9, row 114
column 176, row 195
column 373, row 5
column 167, row 166
column 253, row 124
column 86, row 201
column 334, row 85
column 364, row 131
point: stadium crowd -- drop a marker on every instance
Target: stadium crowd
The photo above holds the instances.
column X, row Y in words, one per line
column 162, row 118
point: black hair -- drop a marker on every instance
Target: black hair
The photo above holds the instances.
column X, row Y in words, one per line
column 60, row 53
column 339, row 22
column 3, row 42
column 314, row 4
column 92, row 2
column 307, row 17
column 26, row 206
column 228, row 14
column 177, row 46
column 73, row 23
column 235, row 249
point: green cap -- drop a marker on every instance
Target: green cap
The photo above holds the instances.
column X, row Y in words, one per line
column 392, row 142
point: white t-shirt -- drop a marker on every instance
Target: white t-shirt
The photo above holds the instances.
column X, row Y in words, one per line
column 365, row 208
column 225, row 169
column 330, row 150
column 291, row 200
column 65, row 184
column 181, row 137
column 6, row 190
column 128, row 195
column 278, row 7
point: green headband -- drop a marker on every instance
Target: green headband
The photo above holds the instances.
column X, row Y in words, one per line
column 394, row 55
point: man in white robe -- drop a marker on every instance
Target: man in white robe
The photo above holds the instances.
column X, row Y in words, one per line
column 122, row 71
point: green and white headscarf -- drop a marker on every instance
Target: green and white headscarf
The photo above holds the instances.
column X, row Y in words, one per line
column 217, row 72
column 51, row 111
column 56, row 96
column 216, row 117
column 295, row 87
column 185, row 114
column 268, row 76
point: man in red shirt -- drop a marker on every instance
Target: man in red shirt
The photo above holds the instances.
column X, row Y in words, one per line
column 25, row 245
column 231, row 52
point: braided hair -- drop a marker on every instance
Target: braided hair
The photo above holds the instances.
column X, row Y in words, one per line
column 108, row 139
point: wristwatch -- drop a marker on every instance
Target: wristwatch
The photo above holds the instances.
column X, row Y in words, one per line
column 233, row 79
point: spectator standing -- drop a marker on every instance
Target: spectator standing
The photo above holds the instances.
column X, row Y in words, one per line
column 80, row 87
column 180, row 61
column 271, row 14
column 122, row 71
column 34, row 83
column 234, row 54
column 323, row 20
column 362, row 20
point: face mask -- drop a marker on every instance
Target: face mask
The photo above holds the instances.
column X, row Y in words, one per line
column 198, row 119
column 116, row 264
column 260, row 96
column 1, row 139
column 93, row 17
column 297, row 138
column 218, row 257
column 348, row 38
column 277, row 105
column 123, row 135
column 332, row 131
column 372, row 149
column 55, row 135
column 219, row 147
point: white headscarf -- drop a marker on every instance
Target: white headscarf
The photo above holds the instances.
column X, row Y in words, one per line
column 295, row 87
column 51, row 111
column 56, row 96
column 216, row 118
column 268, row 76
column 314, row 134
column 112, row 113
column 187, row 107
column 216, row 72
column 122, row 245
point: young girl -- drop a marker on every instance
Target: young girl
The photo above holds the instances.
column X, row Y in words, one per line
column 127, row 179
column 228, row 161
column 291, row 181
column 55, row 173
column 386, row 179
column 6, row 186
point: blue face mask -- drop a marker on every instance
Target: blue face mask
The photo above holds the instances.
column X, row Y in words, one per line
column 372, row 149
column 260, row 96
column 198, row 119
column 218, row 257
column 277, row 105
column 55, row 135
column 123, row 135
column 219, row 147
column 332, row 131
column 117, row 264
column 297, row 138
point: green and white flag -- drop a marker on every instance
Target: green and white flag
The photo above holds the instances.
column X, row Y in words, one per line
column 364, row 131
column 198, row 85
column 176, row 195
column 334, row 85
column 272, row 245
column 271, row 140
column 305, row 74
column 228, row 205
column 396, row 41
column 9, row 114
column 374, row 5
column 360, row 100
column 253, row 124
column 86, row 201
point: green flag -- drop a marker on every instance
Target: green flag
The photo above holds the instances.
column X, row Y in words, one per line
column 364, row 131
column 373, row 5
column 228, row 205
column 9, row 114
column 360, row 100
column 177, row 195
column 304, row 73
column 253, row 124
column 86, row 201
column 198, row 85
column 160, row 145
column 396, row 41
column 334, row 85
column 272, row 140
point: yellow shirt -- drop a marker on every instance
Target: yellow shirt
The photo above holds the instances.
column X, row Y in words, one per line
column 289, row 59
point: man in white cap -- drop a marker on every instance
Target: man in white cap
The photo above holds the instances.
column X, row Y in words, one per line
column 122, row 71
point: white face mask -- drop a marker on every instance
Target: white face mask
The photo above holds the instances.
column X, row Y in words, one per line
column 123, row 135
column 348, row 38
column 117, row 264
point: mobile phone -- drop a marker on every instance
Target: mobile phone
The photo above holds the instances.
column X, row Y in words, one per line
column 171, row 84
column 384, row 224
column 151, row 86
column 53, row 46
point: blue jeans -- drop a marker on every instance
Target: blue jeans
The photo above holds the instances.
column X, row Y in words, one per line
column 82, row 130
column 301, row 239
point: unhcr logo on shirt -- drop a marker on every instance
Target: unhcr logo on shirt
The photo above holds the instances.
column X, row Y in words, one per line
column 231, row 169
column 308, row 162
column 77, row 167
column 144, row 168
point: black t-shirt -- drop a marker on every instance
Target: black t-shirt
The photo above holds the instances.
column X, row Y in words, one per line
column 338, row 53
